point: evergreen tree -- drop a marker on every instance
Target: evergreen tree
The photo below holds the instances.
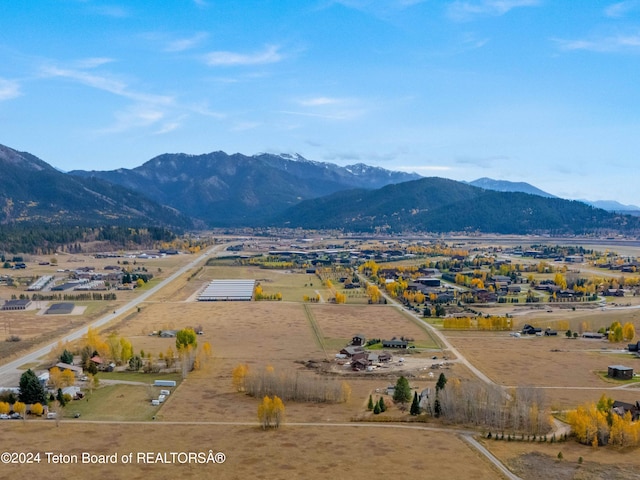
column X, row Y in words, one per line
column 415, row 405
column 383, row 407
column 402, row 393
column 66, row 357
column 31, row 390
column 376, row 409
column 60, row 398
column 437, row 409
column 442, row 381
column 370, row 404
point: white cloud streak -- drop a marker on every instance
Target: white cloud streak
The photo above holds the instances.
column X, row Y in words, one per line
column 465, row 11
column 106, row 84
column 270, row 54
column 612, row 44
column 182, row 44
column 9, row 89
column 620, row 9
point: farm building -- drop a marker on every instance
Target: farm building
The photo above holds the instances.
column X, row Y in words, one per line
column 394, row 343
column 16, row 304
column 228, row 290
column 60, row 309
column 620, row 372
column 358, row 340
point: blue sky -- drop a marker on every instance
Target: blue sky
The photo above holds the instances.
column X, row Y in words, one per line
column 542, row 91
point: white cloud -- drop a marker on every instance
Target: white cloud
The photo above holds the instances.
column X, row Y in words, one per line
column 464, row 10
column 183, row 44
column 169, row 127
column 270, row 54
column 106, row 84
column 136, row 116
column 616, row 43
column 9, row 89
column 620, row 9
column 319, row 101
column 92, row 62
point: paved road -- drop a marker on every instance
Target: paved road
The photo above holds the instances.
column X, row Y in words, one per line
column 10, row 372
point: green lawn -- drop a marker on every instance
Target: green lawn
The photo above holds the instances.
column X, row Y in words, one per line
column 115, row 403
column 139, row 377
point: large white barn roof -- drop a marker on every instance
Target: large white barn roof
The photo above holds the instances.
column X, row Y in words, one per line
column 220, row 290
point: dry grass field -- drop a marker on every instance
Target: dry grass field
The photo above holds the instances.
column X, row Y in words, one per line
column 532, row 461
column 310, row 452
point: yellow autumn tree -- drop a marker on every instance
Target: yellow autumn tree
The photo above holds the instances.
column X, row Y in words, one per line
column 68, row 378
column 373, row 292
column 271, row 412
column 628, row 331
column 238, row 376
column 4, row 408
column 37, row 409
column 20, row 408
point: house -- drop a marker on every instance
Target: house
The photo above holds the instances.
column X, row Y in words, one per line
column 395, row 343
column 530, row 330
column 351, row 350
column 620, row 372
column 358, row 340
column 77, row 371
column 593, row 335
column 621, row 408
column 168, row 333
column 550, row 333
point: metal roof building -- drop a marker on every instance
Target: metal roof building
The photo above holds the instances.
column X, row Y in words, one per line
column 228, row 290
column 60, row 309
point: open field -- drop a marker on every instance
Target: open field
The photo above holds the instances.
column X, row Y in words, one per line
column 312, row 452
column 532, row 461
column 339, row 323
column 555, row 362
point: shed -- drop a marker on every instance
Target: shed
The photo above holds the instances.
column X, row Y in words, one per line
column 358, row 340
column 620, row 372
column 60, row 309
column 16, row 304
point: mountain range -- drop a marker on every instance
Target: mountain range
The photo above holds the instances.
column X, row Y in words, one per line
column 220, row 190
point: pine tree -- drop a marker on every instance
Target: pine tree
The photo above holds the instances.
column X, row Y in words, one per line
column 442, row 381
column 370, row 404
column 415, row 406
column 402, row 392
column 437, row 409
column 31, row 390
column 383, row 407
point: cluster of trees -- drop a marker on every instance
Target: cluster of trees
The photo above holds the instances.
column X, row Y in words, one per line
column 80, row 297
column 312, row 299
column 289, row 385
column 378, row 407
column 259, row 294
column 48, row 239
column 476, row 403
column 619, row 333
column 597, row 424
column 270, row 412
column 494, row 323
